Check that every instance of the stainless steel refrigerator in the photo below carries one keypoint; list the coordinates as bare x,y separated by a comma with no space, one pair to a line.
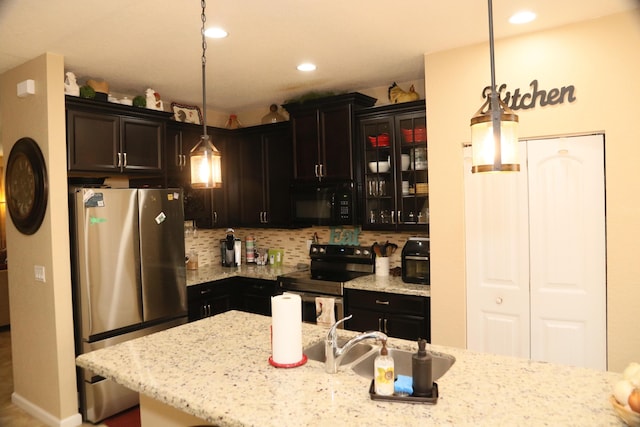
129,278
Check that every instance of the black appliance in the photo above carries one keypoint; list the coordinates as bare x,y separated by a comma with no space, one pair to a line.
415,261
323,204
331,266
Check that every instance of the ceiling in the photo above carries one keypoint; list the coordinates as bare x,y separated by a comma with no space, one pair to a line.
138,44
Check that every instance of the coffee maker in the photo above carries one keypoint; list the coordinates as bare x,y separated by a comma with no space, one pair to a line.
230,250
415,261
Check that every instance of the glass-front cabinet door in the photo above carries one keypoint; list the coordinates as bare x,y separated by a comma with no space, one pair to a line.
395,185
413,172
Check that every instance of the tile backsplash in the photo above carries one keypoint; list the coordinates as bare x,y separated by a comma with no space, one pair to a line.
294,242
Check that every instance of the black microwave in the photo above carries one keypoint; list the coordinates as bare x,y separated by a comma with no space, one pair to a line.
323,204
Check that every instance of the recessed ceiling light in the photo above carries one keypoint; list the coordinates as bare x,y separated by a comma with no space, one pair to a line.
522,17
216,33
307,66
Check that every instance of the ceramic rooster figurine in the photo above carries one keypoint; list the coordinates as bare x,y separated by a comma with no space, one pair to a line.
397,95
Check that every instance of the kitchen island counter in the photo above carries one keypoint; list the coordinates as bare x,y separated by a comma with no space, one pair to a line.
217,370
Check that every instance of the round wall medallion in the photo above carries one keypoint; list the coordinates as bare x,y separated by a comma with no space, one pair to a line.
26,186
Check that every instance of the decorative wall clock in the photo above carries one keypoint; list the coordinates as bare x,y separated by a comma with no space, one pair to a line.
26,186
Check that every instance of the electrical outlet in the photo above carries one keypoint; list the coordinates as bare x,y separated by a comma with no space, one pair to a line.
38,271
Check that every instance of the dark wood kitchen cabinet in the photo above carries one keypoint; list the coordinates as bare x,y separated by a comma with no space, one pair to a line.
399,316
393,177
204,206
113,138
323,133
265,175
233,293
211,298
256,295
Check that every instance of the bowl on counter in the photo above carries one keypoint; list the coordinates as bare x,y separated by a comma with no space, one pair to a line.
630,418
381,140
379,166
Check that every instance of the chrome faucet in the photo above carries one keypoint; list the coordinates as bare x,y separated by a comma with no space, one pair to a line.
334,354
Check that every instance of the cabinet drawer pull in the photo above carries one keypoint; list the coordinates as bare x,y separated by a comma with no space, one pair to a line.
382,302
385,327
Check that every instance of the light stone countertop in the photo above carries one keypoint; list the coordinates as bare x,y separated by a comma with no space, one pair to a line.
391,284
217,369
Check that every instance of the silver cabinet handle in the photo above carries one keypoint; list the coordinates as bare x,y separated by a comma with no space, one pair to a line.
119,160
393,218
380,324
215,217
315,172
385,327
176,142
321,170
382,302
125,160
399,217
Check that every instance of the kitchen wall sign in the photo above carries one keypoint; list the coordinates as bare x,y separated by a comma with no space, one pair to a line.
340,236
525,101
26,186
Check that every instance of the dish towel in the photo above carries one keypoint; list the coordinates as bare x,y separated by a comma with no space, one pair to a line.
325,314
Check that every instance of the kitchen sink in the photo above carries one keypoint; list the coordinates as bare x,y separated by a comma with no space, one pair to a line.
316,351
402,363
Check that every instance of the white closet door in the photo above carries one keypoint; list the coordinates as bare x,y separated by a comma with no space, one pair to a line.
497,256
567,246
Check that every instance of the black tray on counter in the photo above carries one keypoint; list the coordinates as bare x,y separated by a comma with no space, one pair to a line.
432,400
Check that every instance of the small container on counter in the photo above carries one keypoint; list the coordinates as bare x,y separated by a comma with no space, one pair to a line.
250,249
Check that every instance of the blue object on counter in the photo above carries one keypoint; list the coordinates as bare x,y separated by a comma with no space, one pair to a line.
403,385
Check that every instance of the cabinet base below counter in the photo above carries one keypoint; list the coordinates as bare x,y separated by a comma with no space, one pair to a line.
154,413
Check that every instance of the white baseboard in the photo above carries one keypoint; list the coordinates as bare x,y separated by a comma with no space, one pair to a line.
42,415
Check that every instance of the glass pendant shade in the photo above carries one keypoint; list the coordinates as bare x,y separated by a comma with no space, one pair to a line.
489,154
206,165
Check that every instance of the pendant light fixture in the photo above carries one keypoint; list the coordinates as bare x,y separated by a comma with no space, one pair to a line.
494,127
206,161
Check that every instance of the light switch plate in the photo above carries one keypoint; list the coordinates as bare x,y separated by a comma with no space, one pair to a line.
38,271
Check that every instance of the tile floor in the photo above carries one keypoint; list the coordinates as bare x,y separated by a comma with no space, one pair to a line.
10,414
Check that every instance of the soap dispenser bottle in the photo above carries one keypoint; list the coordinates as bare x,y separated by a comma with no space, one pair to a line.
421,364
384,375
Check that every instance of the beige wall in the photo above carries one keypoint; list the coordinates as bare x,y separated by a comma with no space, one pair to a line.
41,315
601,58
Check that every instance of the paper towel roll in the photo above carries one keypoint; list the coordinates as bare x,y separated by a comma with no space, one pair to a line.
286,328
